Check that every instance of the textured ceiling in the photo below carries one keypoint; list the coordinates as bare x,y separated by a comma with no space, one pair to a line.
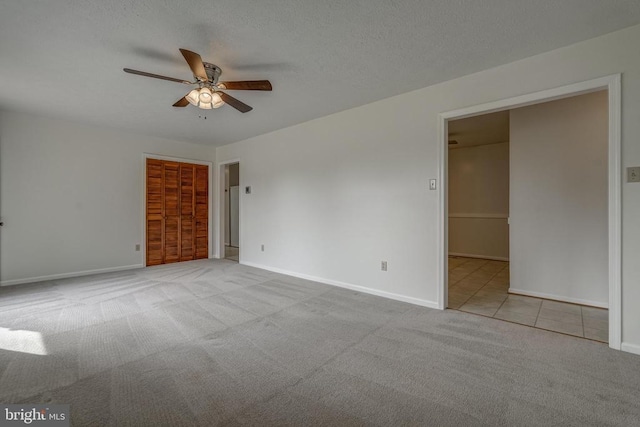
480,130
321,56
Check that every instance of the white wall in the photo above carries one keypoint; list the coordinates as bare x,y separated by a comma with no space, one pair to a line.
479,201
559,182
72,195
334,196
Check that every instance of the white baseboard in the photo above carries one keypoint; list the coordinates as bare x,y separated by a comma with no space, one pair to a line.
67,275
363,289
630,348
494,258
559,298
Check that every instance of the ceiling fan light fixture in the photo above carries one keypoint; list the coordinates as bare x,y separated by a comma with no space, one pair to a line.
193,97
205,95
204,98
216,100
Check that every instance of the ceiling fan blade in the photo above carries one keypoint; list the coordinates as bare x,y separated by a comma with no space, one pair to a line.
247,85
155,76
238,105
182,102
195,63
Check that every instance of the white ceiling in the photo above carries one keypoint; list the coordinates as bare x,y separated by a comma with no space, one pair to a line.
64,58
480,130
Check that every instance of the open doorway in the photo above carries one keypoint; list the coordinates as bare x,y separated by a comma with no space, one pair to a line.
528,202
232,211
478,197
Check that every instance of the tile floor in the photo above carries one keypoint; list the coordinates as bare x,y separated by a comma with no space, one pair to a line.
232,253
481,286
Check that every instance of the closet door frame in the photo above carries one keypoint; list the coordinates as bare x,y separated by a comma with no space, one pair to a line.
143,180
220,206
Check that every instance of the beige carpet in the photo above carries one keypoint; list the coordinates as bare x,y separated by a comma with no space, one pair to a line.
217,343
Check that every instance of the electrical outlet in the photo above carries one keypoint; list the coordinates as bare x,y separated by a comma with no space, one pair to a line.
137,247
262,248
383,265
247,189
633,174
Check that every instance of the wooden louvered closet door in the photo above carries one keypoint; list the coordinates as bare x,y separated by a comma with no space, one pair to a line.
201,192
187,209
171,212
177,211
155,212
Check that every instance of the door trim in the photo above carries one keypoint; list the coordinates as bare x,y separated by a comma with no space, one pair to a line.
145,156
612,84
219,232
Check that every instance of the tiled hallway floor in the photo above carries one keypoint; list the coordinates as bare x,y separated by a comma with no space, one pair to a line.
232,253
481,286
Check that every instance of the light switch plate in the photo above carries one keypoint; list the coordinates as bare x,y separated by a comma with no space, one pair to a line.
433,184
247,189
633,174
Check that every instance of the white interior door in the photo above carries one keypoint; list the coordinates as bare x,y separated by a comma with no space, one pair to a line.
234,215
227,226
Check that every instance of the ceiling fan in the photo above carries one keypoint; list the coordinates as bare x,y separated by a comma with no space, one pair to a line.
209,93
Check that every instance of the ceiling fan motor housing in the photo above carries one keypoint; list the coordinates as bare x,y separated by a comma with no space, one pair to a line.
213,72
